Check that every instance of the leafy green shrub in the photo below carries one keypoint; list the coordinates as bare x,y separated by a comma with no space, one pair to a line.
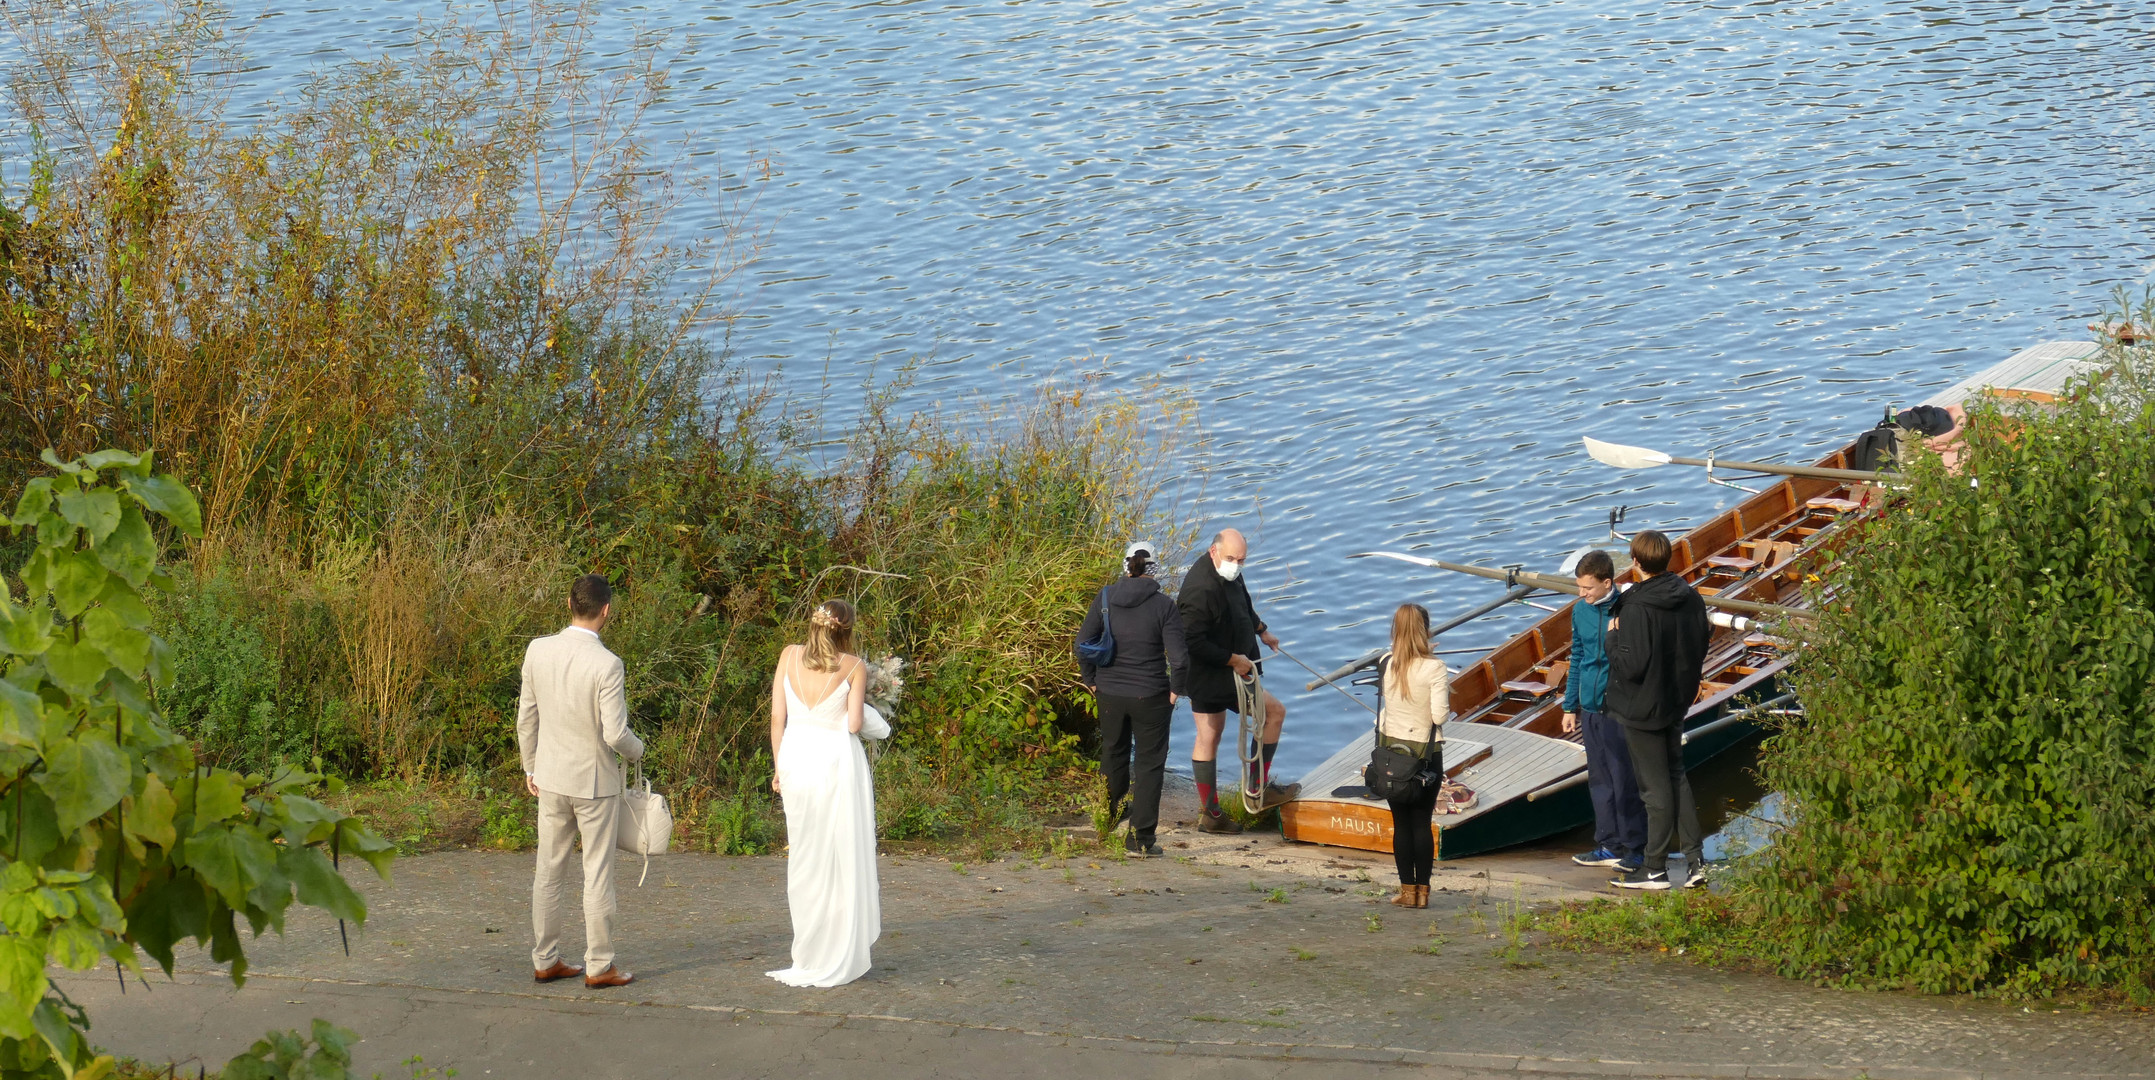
740,824
324,1054
511,821
116,838
1972,794
231,693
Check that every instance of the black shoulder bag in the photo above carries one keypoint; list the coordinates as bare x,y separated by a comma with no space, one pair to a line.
1099,650
1394,774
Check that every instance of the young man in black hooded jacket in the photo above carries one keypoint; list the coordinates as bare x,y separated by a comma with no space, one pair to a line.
1137,691
1657,644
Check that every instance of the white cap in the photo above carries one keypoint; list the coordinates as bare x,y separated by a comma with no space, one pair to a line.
1139,548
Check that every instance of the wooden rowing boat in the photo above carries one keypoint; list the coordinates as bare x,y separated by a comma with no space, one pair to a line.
1505,739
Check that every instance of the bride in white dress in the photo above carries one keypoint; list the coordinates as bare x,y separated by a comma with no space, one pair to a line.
817,698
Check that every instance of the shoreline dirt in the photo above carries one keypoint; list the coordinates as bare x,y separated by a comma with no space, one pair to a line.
1239,950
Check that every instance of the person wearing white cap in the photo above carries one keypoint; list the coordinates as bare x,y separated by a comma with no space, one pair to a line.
1136,679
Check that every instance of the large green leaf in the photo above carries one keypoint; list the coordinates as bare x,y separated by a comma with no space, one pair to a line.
85,776
168,497
320,885
305,821
105,459
75,579
36,499
151,812
354,838
122,599
94,510
129,550
76,668
25,629
218,795
230,860
127,647
20,715
22,984
169,908
68,1048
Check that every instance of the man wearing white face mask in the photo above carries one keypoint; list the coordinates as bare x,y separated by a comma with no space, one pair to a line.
1222,630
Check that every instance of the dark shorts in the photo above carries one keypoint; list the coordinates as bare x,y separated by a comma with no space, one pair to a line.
1203,705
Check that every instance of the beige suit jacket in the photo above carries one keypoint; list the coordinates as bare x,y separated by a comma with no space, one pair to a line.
572,716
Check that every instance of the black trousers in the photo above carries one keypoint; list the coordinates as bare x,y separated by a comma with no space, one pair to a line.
1414,846
1657,759
1135,727
1619,816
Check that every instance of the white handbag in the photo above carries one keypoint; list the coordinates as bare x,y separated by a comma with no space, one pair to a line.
646,822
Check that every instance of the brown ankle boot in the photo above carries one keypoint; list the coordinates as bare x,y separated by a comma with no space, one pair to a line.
1405,897
1421,896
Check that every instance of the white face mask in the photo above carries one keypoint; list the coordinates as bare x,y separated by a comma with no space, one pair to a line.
1230,569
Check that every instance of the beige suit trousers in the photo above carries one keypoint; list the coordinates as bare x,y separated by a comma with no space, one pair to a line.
561,819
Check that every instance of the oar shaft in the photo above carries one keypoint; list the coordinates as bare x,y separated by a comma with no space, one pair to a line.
1857,476
1557,584
1370,658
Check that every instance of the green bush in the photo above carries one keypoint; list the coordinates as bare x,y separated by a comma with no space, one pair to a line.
1970,790
739,824
510,822
117,840
233,692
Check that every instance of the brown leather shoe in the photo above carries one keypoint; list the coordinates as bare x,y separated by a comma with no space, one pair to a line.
1217,821
612,976
558,970
1405,897
1421,896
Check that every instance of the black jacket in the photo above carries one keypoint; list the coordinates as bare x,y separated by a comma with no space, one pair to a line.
1150,658
1655,652
1220,622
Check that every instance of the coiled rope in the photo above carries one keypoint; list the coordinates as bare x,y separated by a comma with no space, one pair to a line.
1250,706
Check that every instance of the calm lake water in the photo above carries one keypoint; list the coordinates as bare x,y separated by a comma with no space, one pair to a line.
1405,257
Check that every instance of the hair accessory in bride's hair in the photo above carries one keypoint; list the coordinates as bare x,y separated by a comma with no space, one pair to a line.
822,617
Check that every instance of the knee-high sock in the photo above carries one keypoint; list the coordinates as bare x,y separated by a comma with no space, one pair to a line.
1208,782
1270,749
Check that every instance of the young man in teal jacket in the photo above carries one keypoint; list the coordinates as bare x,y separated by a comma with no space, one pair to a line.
1619,815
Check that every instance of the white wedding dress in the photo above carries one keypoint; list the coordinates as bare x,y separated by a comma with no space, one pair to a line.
829,795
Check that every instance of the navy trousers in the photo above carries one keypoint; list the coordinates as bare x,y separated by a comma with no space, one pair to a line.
1619,815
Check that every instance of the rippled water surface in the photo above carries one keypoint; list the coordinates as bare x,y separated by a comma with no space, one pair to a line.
1405,257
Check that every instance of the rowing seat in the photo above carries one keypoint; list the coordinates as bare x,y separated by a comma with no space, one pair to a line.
1709,689
1771,552
1551,678
1731,562
1827,502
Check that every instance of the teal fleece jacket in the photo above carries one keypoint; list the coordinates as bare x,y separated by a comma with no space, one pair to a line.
1587,683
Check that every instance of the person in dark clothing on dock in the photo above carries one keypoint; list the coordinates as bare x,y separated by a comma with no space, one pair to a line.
1657,644
1137,691
1619,816
1224,631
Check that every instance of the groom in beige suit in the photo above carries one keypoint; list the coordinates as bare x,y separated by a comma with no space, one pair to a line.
571,719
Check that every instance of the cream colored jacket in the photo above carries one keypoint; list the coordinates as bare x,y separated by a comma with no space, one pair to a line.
572,716
1417,715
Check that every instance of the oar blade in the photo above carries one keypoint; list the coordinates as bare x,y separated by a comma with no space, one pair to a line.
1623,457
1415,559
